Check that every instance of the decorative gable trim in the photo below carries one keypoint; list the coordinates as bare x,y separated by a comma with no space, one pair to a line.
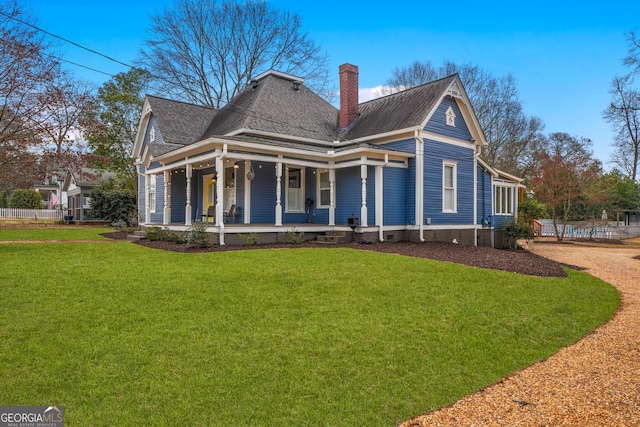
450,116
455,91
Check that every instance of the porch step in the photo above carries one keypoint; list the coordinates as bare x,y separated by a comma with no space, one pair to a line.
137,235
331,237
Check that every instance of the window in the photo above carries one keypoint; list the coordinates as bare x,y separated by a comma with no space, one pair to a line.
151,197
86,201
449,187
229,191
324,190
295,189
504,200
152,134
451,117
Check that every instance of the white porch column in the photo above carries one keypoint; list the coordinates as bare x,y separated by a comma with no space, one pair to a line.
363,209
187,209
147,208
279,192
220,197
247,192
166,213
380,201
332,195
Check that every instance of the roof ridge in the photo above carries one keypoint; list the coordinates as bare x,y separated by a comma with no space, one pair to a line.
410,88
209,107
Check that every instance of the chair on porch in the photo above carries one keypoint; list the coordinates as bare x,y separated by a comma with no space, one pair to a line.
234,211
211,213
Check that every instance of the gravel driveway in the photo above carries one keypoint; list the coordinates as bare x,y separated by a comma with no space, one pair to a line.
595,382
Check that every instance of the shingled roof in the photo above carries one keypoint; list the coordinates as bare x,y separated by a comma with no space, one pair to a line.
278,106
275,106
401,110
180,123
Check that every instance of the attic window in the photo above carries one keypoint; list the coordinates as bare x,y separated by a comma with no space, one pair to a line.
152,135
451,117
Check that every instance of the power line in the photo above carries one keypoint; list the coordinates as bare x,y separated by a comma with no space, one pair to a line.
65,40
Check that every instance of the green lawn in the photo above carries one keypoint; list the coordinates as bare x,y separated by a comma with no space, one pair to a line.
53,233
124,335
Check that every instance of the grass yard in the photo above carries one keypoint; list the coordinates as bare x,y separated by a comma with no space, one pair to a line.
54,233
124,335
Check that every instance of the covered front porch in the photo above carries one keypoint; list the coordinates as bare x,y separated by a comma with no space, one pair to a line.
266,192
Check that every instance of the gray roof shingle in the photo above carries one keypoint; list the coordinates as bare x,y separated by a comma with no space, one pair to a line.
400,110
179,122
274,106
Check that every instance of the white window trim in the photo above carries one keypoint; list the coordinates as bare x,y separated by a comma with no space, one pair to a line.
152,134
319,190
498,206
453,165
301,189
151,194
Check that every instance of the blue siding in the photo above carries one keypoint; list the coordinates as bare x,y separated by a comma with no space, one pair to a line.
142,195
157,216
178,196
348,194
438,123
153,123
371,195
395,196
435,153
319,215
407,145
263,194
484,195
411,192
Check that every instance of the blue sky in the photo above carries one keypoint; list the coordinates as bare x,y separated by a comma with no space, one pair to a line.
563,54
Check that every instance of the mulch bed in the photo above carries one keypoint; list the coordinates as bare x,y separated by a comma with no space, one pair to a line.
517,261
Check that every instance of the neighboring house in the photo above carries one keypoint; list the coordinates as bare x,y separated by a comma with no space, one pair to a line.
78,186
52,193
278,157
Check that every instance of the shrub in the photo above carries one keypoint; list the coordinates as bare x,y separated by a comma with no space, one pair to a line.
120,225
197,235
162,234
25,199
250,239
516,230
294,237
113,204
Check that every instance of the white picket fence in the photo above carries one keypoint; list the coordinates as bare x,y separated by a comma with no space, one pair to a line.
31,213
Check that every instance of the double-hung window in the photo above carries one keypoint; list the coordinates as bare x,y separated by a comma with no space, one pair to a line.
504,200
324,190
449,187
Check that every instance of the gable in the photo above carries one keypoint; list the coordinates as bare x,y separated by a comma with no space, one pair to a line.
438,123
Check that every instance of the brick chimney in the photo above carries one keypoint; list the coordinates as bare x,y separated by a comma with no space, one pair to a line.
348,94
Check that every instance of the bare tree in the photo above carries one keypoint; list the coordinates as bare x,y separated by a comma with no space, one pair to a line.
512,136
624,115
25,69
633,54
205,51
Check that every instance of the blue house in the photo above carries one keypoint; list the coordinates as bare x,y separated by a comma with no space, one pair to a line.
278,157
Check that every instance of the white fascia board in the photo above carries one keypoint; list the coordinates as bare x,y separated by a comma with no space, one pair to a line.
278,74
245,131
387,135
142,126
509,176
492,171
446,139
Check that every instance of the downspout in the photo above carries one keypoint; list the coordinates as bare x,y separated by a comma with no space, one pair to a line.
381,198
420,184
475,196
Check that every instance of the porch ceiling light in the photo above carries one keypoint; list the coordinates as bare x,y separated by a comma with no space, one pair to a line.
236,165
